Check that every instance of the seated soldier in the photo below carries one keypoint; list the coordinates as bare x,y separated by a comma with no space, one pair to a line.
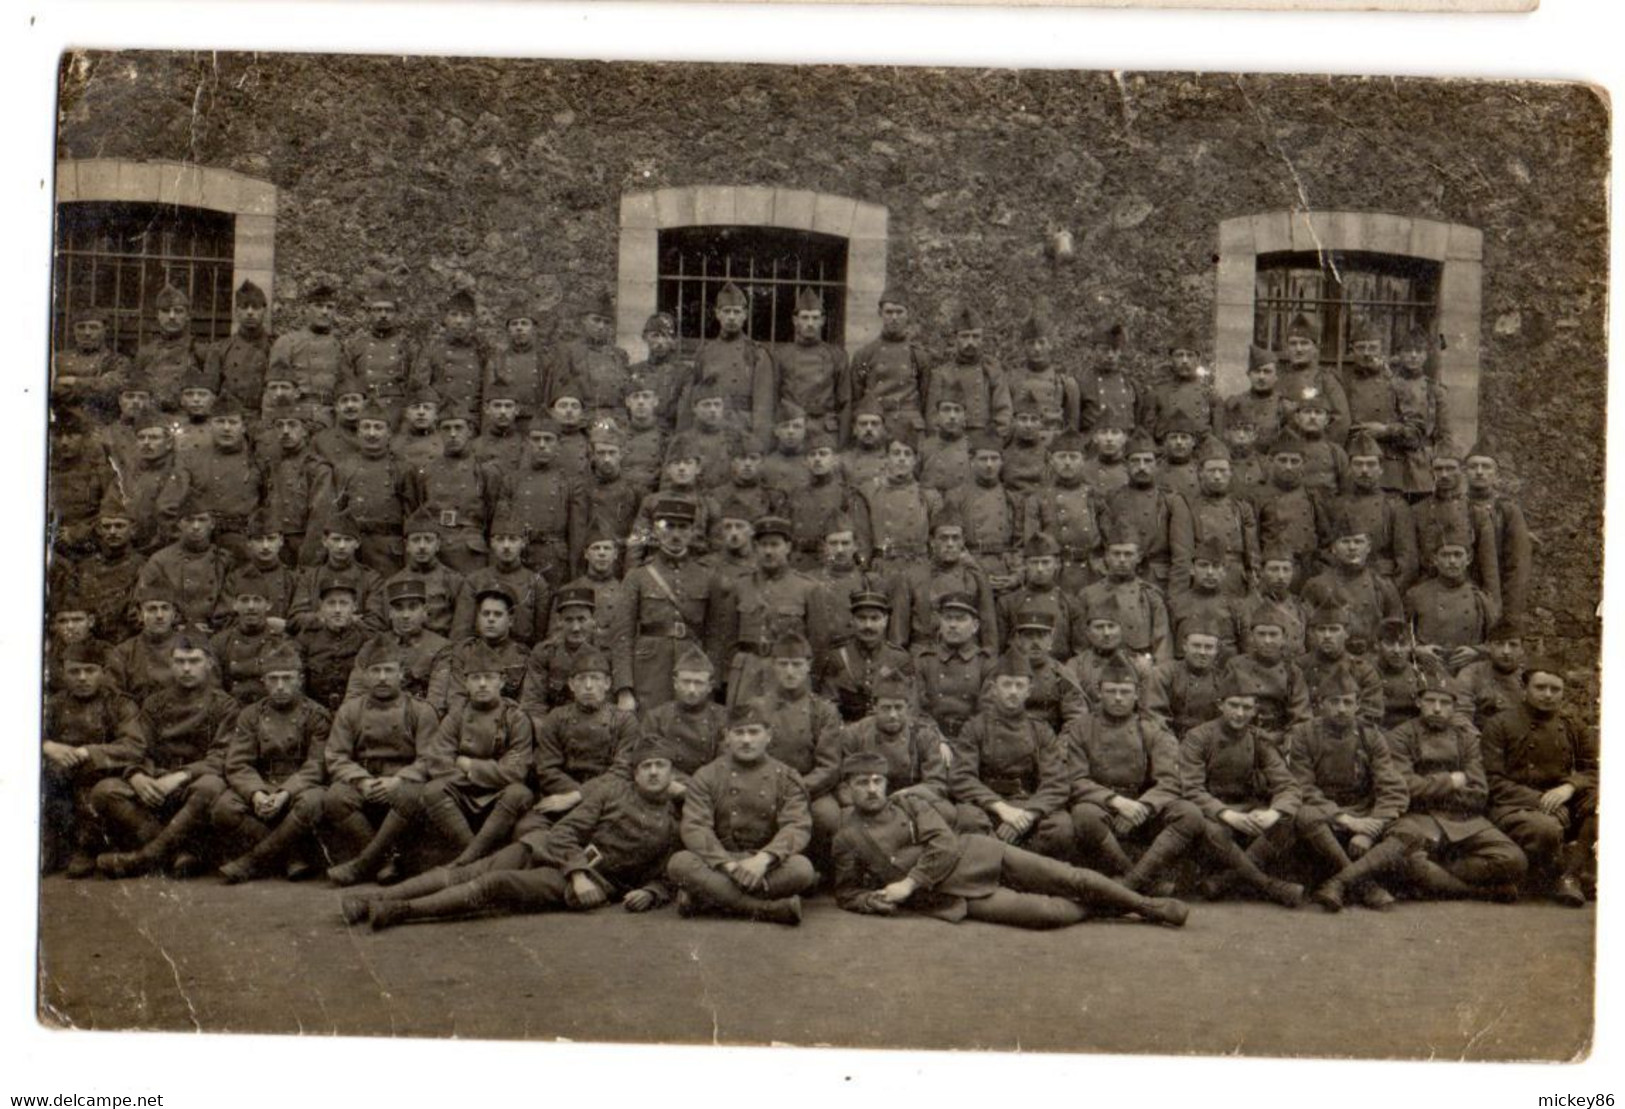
1454,851
575,631
330,648
241,648
1125,786
896,852
1056,696
1204,599
909,742
745,823
1329,650
275,770
493,635
1184,692
161,803
140,664
849,672
507,569
92,731
690,724
1542,770
1351,793
1139,608
1231,770
614,846
806,736
1039,588
1275,683
576,742
951,670
1008,774
375,763
422,652
1102,647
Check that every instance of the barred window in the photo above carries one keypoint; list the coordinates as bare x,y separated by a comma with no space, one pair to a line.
768,263
1339,289
117,255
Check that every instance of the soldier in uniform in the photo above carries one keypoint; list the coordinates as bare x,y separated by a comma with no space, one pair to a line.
1275,587
1106,391
239,362
864,460
736,368
1500,520
850,671
744,485
575,630
376,765
154,487
1376,407
806,731
118,439
1216,512
1140,605
160,802
1542,770
973,379
945,453
1290,516
811,373
1103,648
312,357
840,572
680,483
643,444
1454,851
92,732
89,375
140,665
1039,589
462,493
453,363
274,768
225,477
669,599
1383,515
1352,582
893,517
340,439
892,371
1009,775
1328,640
298,483
1184,692
1235,774
191,570
784,469
1026,456
1421,404
1125,787
380,359
442,585
773,601
1183,399
341,538
1450,617
952,667
1038,382
424,671
500,442
593,363
1352,794
1447,511
1273,682
991,515
173,353
1400,667
1260,407
331,645
104,581
242,648
1325,462
378,492
521,367
493,634
665,370
896,852
918,595
1147,509
614,846
909,742
1205,601
1055,696
1070,511
552,509
690,725
746,822
1303,378
1494,683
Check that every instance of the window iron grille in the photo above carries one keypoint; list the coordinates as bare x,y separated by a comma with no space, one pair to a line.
1339,290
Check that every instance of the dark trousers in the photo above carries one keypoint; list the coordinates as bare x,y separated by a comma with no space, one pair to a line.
1484,858
1543,837
1105,849
176,825
713,888
1053,835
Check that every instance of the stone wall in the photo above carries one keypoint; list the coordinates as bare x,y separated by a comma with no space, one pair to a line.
506,175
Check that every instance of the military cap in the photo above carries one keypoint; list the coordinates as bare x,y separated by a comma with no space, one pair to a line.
575,596
1182,421
1211,449
194,377
837,522
519,308
91,314
461,301
1504,629
1393,630
1034,618
153,417
693,660
661,323
153,591
372,410
1120,533
483,660
1034,328
1314,399
1040,544
1114,336
1436,680
1210,548
1139,442
1068,442
500,389
1338,681
589,661
1365,331
792,646
606,432
707,390
1302,327
342,523
191,504
115,506
600,302
1117,671
986,441
496,591
774,525
171,297
1012,664
904,437
682,446
189,641
250,295
86,652
1362,445
1109,421
598,533
946,517
1341,524
1544,664
648,746
1484,448
890,686
964,602
731,296
745,714
867,405
380,290
1287,443
867,599
260,522
385,652
283,657
1186,339
819,439
506,523
402,590
808,300
349,386
790,410
321,293
1265,614
744,448
567,386
1233,684
249,585
967,319
862,763
1201,625
338,585
421,522
1107,611
1330,613
1258,357
226,407
1455,533
893,294
674,508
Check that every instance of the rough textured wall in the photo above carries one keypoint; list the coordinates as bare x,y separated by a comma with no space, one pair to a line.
502,175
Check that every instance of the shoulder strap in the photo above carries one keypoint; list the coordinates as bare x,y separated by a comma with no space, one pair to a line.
661,584
878,860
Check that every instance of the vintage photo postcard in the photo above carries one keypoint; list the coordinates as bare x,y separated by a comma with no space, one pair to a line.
1055,561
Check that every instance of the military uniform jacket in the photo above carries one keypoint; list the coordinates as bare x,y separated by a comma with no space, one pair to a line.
896,374
105,586
1000,758
520,373
815,505
1345,770
1143,614
271,750
574,745
505,449
239,364
193,578
454,368
1263,410
498,740
984,388
1452,514
1175,396
108,725
463,494
547,672
530,615
950,681
307,594
375,739
154,490
1507,582
663,597
1106,392
1088,665
1180,698
293,483
554,509
1425,758
1048,390
610,505
78,379
786,473
1135,757
1071,515
909,839
381,363
1061,606
1370,599
815,376
1294,613
1421,406
806,737
1403,683
742,369
1221,770
600,371
161,365
1488,691
916,602
238,656
1149,512
944,462
643,453
1374,399
994,517
893,519
512,656
1294,520
695,731
140,665
1283,695
312,360
731,811
1315,665
426,670
185,729
1229,519
378,491
847,675
1450,616
667,377
913,756
1056,695
417,449
1223,611
1526,754
329,659
784,603
618,837
1386,519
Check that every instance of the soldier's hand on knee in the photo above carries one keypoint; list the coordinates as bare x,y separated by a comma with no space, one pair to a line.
751,874
390,786
147,790
1007,832
1241,822
1553,800
639,901
275,803
371,789
1134,812
1266,819
60,754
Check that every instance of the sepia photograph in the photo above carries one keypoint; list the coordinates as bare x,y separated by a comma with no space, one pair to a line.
927,558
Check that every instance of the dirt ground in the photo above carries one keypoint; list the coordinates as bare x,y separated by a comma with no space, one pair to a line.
1449,981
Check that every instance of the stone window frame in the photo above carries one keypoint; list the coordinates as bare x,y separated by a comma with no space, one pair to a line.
251,202
1458,248
645,214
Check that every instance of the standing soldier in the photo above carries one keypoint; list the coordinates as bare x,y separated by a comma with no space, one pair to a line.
274,769
298,482
1273,682
1383,515
952,667
453,363
1261,406
140,665
806,731
1499,518
784,469
592,363
774,601
811,373
89,375
1542,771
893,517
1039,590
850,673
945,452
892,371
1375,405
669,599
1328,643
532,595
918,595
1140,605
1070,511
239,361
381,357
1421,402
191,570
575,630
1216,513
442,585
462,494
226,478
341,437
1303,378
1350,581
1184,692
1290,516
864,460
991,515
376,491
1184,398
104,581
643,443
1038,383
973,379
1145,509
174,354
551,508
1105,391
520,368
665,370
312,357
738,369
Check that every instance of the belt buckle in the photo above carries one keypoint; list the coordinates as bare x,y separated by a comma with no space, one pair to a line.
448,517
679,630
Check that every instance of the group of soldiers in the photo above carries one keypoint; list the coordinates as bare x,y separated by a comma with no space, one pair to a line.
506,627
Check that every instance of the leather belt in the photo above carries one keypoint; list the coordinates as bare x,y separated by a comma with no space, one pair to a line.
675,629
